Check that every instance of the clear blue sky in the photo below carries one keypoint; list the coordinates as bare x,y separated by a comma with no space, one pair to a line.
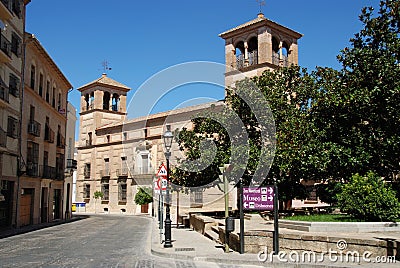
141,38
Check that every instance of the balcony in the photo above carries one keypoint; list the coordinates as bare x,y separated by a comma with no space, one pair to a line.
104,173
5,10
143,171
34,128
48,134
5,47
48,172
3,138
32,169
71,163
123,172
60,141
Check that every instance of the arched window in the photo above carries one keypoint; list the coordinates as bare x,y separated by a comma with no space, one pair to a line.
106,101
275,51
115,102
275,45
91,101
285,49
285,54
253,50
239,51
87,101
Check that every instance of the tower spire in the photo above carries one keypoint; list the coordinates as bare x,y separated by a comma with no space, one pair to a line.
261,3
105,65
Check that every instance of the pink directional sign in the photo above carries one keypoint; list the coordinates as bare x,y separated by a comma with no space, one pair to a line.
258,198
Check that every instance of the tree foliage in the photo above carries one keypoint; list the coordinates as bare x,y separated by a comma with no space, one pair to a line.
330,124
358,110
143,196
369,198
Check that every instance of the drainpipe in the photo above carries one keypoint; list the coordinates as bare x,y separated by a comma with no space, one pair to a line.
21,102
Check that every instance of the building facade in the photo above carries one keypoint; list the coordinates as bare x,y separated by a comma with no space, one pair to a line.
12,27
70,161
43,132
117,156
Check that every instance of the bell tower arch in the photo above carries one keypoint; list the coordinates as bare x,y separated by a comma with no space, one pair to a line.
258,45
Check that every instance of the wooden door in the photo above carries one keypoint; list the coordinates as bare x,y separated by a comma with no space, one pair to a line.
25,209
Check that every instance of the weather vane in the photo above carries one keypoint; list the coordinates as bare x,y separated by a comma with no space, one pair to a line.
261,3
105,65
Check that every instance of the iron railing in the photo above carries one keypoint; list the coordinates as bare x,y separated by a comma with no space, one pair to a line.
48,172
32,169
72,163
143,171
277,60
253,57
34,128
240,62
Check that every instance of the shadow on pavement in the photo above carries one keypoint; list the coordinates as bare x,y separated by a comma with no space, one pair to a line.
7,232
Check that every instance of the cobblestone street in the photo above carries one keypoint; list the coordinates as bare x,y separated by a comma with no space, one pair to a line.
98,241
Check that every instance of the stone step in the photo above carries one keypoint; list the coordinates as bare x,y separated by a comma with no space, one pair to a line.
215,229
211,234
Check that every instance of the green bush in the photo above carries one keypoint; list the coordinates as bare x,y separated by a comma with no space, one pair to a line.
369,198
98,195
143,196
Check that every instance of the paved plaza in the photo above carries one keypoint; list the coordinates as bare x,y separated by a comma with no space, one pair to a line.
100,240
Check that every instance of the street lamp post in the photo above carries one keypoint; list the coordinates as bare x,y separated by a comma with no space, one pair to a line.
224,169
168,137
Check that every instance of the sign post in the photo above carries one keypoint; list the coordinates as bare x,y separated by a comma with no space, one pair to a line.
262,199
276,215
160,187
241,216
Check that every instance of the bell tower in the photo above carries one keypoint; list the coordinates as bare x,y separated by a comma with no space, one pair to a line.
258,45
103,102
